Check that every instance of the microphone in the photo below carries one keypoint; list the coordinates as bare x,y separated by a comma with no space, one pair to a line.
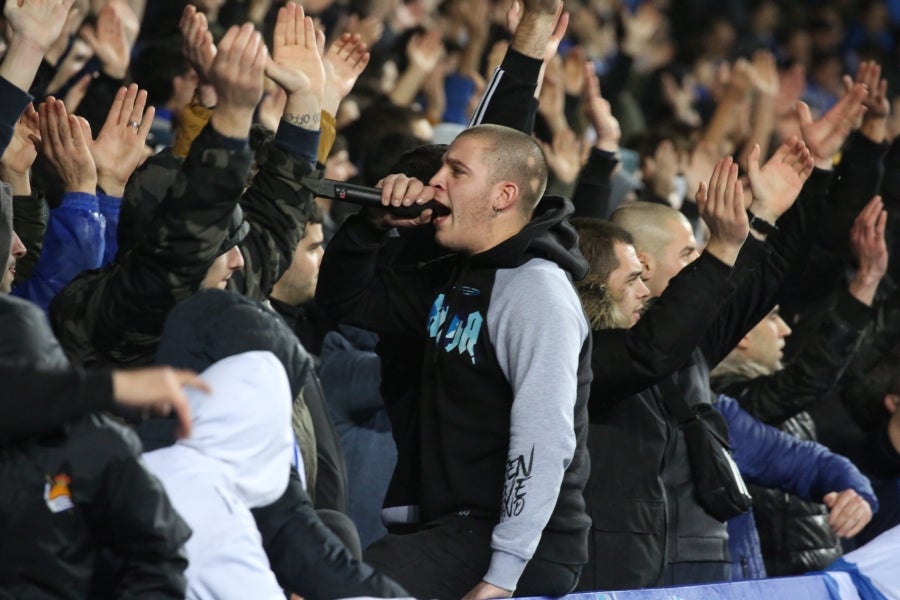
364,196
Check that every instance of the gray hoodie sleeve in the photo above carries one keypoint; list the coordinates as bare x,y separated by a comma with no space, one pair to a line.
537,327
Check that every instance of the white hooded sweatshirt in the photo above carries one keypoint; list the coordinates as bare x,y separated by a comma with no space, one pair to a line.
237,458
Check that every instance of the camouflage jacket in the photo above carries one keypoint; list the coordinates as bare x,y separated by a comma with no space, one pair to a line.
114,315
277,208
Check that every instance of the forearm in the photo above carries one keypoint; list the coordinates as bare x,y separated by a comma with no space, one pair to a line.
277,207
540,359
37,402
627,361
13,100
30,218
110,208
509,96
409,84
73,243
594,188
21,62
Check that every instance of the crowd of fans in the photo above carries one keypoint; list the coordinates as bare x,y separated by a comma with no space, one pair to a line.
604,225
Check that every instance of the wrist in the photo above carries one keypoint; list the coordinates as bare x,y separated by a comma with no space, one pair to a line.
863,289
763,224
762,213
115,71
21,62
304,114
607,145
232,123
20,181
874,128
111,185
726,252
84,186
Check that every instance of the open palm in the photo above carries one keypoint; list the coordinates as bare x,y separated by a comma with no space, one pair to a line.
778,183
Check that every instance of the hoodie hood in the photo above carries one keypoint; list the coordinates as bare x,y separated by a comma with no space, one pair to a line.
244,425
26,340
548,235
6,222
214,324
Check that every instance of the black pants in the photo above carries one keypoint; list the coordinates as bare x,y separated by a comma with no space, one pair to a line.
452,555
308,558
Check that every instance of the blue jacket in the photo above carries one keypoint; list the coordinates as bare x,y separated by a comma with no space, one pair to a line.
769,457
81,235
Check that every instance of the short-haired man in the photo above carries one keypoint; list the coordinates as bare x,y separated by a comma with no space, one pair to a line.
648,527
502,411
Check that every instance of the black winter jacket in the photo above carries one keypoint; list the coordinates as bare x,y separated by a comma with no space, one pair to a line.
640,494
795,534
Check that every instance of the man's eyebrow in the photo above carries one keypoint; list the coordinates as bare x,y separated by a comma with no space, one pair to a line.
455,163
634,275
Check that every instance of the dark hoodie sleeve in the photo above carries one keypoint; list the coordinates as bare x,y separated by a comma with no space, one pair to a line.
356,288
509,96
36,402
12,104
761,282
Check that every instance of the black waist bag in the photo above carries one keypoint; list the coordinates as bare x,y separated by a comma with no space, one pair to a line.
718,483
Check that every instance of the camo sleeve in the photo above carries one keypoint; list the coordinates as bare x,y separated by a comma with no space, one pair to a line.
277,208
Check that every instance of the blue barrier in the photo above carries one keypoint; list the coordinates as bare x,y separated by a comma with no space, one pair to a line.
806,587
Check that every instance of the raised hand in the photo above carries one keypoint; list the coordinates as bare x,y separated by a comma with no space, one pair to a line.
197,42
36,25
640,27
425,50
237,73
874,123
296,65
764,73
721,205
59,47
369,29
868,246
537,30
564,155
37,21
119,146
344,62
826,136
778,183
599,113
22,150
110,42
65,145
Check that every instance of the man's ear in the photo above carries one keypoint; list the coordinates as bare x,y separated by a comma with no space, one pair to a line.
648,265
506,195
891,402
743,344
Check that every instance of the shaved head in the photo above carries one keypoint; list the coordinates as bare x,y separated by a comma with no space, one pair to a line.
513,156
663,238
651,225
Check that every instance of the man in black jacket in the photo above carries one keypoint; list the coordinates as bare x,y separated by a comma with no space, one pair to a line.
76,489
648,527
798,536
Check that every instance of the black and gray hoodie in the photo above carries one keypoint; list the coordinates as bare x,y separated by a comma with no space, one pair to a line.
503,415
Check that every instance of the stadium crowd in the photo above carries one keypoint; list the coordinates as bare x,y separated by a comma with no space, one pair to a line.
626,268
